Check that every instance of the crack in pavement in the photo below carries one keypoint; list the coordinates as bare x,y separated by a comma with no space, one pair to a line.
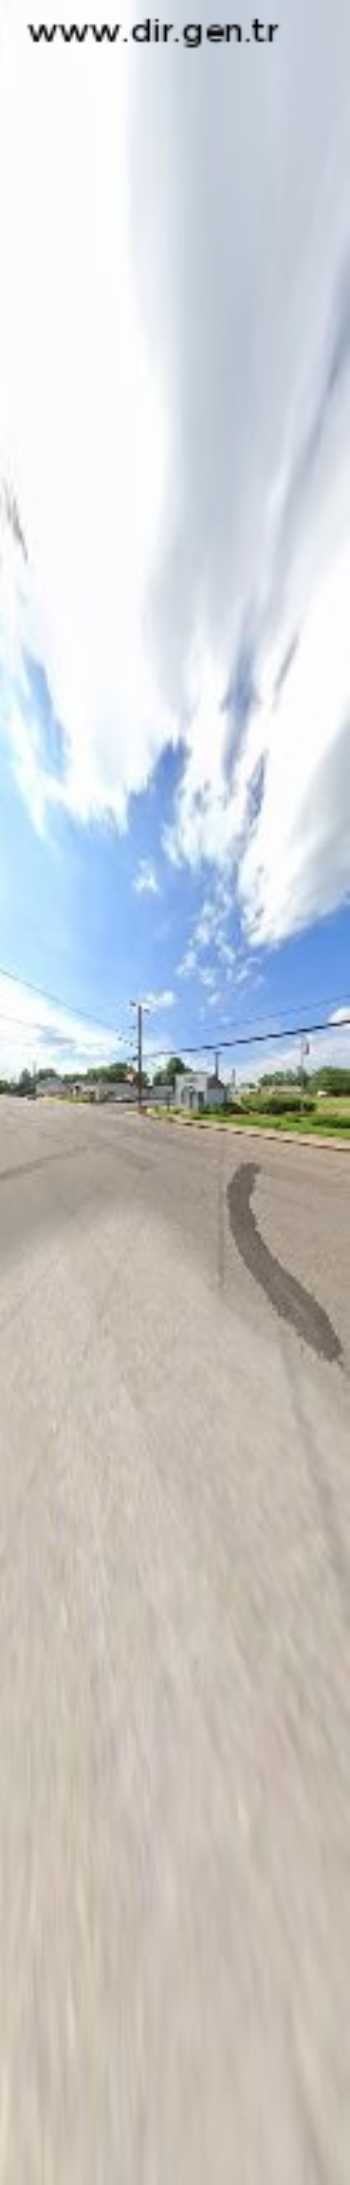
65,1153
288,1296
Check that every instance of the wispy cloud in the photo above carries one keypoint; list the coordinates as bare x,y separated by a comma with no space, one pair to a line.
180,473
146,882
226,952
207,977
188,962
209,933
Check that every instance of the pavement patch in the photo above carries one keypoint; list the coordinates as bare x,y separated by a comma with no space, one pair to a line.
288,1297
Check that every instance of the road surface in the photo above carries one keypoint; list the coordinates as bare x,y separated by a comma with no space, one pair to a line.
175,1656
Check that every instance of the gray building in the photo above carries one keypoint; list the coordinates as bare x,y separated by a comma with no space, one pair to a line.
49,1087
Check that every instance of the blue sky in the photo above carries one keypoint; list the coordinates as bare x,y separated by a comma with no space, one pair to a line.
174,539
95,917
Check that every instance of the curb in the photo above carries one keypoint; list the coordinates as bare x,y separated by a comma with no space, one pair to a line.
237,1130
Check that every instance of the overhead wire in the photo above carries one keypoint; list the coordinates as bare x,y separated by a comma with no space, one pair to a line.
237,1038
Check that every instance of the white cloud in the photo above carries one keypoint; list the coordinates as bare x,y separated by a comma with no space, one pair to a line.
207,978
154,1002
36,1032
208,924
296,857
325,1049
146,882
242,974
189,962
182,466
209,932
226,952
82,425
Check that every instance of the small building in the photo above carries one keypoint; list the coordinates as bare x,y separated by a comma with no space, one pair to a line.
198,1090
121,1092
49,1088
160,1096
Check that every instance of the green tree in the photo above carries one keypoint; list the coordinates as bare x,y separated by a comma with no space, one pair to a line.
173,1068
332,1079
25,1082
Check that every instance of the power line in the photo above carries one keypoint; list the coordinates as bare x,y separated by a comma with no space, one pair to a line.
324,1001
238,1039
33,1025
70,1008
254,1039
16,978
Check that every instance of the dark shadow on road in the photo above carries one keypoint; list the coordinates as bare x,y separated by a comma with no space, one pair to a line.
288,1297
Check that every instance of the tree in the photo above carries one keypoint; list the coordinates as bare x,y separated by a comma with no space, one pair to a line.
332,1079
280,1077
109,1072
25,1083
174,1068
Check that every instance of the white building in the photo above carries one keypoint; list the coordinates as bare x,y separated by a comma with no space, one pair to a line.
198,1090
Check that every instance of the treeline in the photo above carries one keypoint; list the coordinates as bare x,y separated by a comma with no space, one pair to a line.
330,1079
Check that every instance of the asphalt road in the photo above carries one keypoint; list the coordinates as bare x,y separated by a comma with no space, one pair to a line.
174,1655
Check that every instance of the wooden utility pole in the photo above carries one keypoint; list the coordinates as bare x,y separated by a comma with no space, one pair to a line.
304,1050
140,1006
139,1052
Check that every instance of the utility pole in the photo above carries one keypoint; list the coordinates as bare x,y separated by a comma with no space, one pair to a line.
140,1006
139,1052
304,1050
217,1061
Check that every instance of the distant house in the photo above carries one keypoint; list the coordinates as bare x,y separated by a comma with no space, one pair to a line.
46,1087
119,1091
197,1091
160,1096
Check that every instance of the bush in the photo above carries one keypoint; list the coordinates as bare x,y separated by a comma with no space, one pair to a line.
292,1105
232,1107
280,1103
332,1121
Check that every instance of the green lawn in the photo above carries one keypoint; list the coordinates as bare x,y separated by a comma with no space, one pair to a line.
329,1119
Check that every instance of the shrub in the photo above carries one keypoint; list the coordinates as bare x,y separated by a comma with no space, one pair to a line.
280,1103
292,1104
332,1121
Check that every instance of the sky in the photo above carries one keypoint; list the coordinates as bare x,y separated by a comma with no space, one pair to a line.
174,538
